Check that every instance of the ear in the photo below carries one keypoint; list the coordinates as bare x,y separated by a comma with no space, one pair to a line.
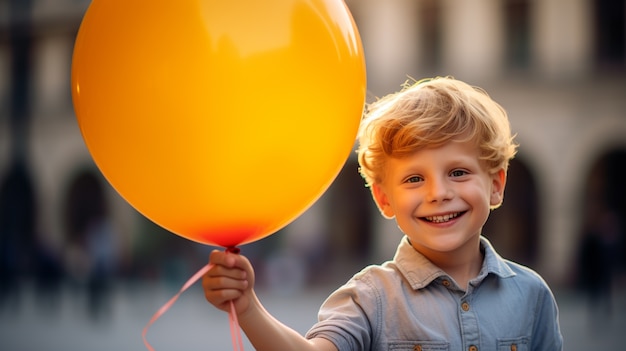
498,182
382,201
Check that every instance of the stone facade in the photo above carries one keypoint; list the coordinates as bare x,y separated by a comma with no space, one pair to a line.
566,102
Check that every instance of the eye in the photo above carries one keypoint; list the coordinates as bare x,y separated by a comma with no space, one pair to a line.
458,173
414,179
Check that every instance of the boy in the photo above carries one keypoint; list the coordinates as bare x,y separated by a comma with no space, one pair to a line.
435,157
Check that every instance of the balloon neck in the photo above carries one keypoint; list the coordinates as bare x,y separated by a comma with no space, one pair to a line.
233,249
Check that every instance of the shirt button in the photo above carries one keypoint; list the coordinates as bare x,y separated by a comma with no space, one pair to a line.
417,348
446,283
465,306
513,347
473,348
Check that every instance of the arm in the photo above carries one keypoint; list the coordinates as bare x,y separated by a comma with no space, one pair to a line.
547,332
232,279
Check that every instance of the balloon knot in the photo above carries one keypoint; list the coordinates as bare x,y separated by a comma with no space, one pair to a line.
233,249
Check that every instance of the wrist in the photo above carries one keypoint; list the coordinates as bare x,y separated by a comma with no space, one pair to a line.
251,314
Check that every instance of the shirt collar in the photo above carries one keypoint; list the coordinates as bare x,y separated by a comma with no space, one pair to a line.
420,272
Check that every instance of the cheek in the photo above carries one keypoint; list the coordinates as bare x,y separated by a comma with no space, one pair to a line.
480,196
407,203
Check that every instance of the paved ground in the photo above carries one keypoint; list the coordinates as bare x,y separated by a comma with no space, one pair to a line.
30,324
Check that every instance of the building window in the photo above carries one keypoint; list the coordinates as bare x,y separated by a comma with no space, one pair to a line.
431,32
610,33
517,25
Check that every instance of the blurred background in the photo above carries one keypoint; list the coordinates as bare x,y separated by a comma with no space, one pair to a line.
81,270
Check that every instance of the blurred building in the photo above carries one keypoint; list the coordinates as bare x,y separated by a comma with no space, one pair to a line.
557,66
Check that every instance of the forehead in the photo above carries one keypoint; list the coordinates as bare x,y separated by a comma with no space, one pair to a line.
451,154
449,151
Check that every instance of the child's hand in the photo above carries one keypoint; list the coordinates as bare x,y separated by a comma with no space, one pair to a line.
230,279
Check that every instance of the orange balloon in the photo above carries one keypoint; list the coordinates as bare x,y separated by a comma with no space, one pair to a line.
221,121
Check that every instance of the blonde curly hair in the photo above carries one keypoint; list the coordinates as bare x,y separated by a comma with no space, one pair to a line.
428,114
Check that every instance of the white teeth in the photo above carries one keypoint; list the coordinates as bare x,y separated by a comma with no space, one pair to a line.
442,219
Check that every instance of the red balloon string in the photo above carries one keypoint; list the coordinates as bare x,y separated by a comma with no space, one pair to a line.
235,331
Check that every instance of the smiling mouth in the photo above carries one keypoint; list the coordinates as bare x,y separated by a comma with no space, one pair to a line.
443,218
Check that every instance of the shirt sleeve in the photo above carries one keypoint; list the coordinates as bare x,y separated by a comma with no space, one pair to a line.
348,317
547,332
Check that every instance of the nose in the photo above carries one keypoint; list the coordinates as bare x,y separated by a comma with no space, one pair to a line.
438,190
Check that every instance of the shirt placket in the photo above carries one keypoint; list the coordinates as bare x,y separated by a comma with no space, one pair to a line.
470,332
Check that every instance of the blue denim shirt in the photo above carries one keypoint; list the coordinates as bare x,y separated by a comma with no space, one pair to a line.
411,304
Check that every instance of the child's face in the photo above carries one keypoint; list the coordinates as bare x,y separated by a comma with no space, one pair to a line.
440,197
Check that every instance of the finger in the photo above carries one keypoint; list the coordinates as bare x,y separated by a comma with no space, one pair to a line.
222,282
222,271
229,260
219,290
222,298
222,258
